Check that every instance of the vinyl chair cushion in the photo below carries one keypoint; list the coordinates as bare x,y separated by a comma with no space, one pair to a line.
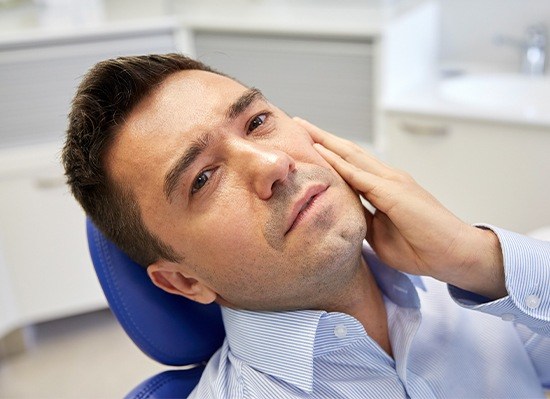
170,329
167,385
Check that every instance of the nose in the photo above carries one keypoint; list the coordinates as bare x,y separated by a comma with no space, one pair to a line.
262,166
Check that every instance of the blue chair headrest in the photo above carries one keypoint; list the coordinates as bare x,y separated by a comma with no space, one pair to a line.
170,329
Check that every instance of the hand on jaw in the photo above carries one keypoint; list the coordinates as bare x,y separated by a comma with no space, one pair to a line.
410,230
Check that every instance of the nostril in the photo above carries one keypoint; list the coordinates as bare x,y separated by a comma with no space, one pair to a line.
292,165
273,175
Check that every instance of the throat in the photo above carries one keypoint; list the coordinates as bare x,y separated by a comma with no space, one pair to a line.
378,330
366,304
375,322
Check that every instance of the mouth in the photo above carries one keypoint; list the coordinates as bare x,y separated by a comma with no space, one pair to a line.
304,206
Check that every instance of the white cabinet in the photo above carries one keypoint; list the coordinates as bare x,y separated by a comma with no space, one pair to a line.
45,267
484,172
43,241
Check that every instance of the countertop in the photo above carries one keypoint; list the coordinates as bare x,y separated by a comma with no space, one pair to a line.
344,20
35,35
429,101
349,18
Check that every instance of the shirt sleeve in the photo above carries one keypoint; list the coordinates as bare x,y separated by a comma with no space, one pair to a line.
527,277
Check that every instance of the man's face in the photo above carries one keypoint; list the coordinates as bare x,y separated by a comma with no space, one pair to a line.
235,187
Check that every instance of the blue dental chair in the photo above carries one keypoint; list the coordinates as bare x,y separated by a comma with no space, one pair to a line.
168,328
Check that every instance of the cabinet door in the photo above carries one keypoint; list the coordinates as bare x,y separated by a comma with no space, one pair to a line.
8,310
483,172
43,245
328,81
38,81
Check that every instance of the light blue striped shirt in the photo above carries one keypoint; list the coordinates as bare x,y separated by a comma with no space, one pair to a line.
444,346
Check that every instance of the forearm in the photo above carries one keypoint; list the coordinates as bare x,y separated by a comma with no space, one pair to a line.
482,270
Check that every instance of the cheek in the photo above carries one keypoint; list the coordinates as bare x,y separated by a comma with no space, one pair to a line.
299,144
305,152
228,231
319,160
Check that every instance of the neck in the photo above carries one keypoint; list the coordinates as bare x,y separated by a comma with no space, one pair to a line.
364,301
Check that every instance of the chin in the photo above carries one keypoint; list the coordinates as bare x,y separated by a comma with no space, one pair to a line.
343,246
354,214
354,226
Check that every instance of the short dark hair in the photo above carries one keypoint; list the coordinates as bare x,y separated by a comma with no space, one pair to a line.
106,96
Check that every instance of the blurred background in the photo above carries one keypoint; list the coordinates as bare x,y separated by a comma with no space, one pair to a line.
456,92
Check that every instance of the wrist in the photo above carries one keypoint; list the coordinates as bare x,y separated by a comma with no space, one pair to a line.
483,268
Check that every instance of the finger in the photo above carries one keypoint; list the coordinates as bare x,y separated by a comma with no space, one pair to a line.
323,137
378,191
346,149
368,218
386,240
356,177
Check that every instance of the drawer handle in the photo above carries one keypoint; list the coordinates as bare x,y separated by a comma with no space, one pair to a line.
48,183
424,130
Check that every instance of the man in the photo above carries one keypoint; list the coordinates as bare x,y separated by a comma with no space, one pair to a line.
223,197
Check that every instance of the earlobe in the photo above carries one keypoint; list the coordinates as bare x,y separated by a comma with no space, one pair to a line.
168,277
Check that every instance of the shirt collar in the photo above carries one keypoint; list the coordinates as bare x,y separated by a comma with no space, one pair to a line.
279,344
282,344
398,287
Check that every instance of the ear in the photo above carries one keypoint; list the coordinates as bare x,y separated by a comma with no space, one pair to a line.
169,277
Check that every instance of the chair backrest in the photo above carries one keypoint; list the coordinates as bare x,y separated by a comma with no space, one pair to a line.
167,385
170,329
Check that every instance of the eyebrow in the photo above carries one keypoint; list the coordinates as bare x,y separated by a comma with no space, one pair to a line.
199,145
243,102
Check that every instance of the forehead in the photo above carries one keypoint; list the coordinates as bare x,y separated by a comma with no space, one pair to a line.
184,100
184,105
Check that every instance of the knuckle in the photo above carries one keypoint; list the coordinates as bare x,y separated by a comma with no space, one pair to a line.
353,175
401,176
354,152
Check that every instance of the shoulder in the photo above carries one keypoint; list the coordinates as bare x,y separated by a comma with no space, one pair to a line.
221,377
228,377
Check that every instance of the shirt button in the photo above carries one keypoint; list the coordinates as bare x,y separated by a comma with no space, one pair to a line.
532,301
508,317
340,331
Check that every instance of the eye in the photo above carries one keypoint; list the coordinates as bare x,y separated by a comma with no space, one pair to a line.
256,122
201,180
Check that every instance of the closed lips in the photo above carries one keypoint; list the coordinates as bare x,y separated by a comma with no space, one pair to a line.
304,204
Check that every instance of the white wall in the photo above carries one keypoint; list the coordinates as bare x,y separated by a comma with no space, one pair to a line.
469,26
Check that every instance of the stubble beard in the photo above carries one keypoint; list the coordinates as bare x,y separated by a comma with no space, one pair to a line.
326,273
